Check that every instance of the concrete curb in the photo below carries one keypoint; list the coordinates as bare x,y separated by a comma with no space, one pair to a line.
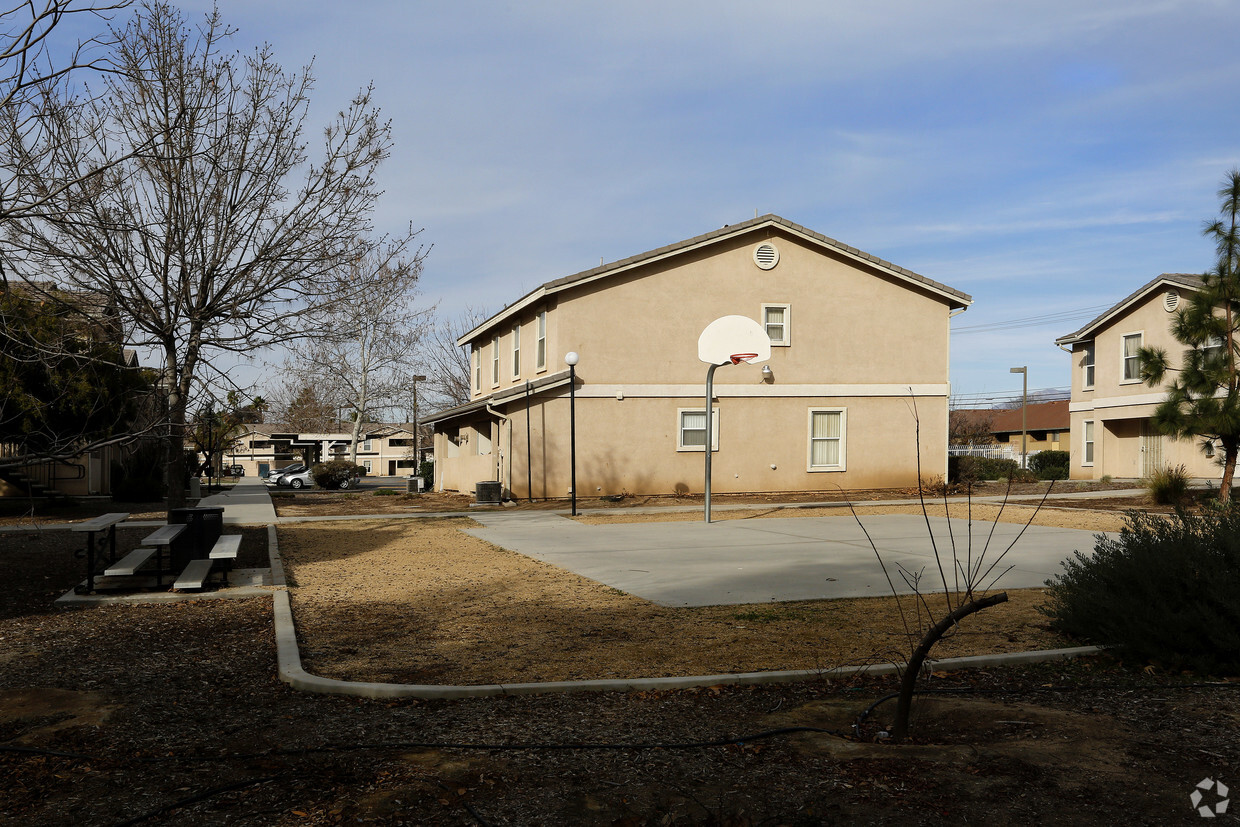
288,657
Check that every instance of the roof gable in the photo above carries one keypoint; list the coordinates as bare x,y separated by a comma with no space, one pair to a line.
1177,280
954,298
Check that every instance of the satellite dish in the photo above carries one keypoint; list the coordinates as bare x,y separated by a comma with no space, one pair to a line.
732,340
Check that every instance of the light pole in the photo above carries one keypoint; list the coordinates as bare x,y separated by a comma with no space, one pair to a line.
1024,410
570,359
417,457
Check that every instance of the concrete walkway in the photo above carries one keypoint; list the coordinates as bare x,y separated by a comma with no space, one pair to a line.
246,503
780,559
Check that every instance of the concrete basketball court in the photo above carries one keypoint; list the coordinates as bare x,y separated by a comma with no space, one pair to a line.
776,559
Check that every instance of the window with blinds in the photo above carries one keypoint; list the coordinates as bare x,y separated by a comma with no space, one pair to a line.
826,439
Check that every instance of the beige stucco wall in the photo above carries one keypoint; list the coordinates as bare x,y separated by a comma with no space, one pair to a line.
861,340
630,445
1119,408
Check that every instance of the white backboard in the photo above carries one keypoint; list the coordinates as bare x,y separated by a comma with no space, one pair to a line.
730,336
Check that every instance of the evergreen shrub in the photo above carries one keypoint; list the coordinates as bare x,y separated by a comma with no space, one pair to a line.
1163,591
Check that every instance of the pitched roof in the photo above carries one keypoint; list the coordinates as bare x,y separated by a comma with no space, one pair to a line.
1039,416
954,297
1185,280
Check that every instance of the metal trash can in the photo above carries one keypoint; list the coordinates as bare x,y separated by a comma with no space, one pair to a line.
204,525
490,492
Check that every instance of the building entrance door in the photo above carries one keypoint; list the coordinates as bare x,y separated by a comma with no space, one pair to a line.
1151,450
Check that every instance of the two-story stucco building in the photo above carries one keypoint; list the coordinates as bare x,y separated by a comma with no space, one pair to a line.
383,449
1111,407
858,346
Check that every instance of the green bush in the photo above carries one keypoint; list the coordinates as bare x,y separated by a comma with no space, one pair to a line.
968,469
1168,486
427,471
1164,591
335,473
1050,465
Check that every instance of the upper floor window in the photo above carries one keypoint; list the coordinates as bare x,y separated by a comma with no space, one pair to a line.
477,370
1132,357
366,445
516,351
1087,367
1212,347
540,349
494,360
776,318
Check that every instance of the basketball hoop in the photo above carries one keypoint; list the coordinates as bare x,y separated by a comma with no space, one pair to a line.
737,358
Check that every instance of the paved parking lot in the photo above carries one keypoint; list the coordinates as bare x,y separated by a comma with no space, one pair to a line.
778,559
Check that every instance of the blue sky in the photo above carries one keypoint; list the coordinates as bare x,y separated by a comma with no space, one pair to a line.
1045,157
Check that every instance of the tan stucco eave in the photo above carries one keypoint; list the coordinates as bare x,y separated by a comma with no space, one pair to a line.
1185,280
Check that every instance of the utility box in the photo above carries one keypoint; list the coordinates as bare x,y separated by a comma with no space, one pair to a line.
414,485
488,492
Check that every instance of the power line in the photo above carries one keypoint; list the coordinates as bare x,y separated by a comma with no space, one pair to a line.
1033,321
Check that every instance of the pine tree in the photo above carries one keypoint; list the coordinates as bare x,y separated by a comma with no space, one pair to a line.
1203,397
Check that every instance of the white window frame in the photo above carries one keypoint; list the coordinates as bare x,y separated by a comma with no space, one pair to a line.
1089,443
366,465
809,441
1218,343
680,429
516,351
540,348
1090,366
495,361
1123,358
786,339
477,370
366,445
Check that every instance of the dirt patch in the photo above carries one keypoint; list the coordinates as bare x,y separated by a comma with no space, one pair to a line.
202,732
395,501
469,612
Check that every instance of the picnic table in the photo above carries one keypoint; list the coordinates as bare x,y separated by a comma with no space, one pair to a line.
100,537
191,543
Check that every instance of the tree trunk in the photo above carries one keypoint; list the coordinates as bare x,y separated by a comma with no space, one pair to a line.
909,680
1230,450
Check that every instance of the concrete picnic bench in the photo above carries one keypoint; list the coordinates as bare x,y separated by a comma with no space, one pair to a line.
105,526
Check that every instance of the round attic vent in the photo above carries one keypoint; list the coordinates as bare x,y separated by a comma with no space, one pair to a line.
765,255
1171,301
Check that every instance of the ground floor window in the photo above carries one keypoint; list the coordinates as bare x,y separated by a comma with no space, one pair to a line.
691,429
827,439
1088,452
366,465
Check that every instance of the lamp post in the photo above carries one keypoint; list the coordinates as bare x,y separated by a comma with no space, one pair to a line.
1024,410
570,359
417,457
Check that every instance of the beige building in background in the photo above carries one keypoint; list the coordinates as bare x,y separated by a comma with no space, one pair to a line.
1110,406
858,345
384,450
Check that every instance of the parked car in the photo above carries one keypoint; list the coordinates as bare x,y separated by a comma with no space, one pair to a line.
305,479
237,470
275,473
296,479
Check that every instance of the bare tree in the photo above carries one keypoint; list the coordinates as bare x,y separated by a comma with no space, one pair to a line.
970,427
300,406
361,353
214,230
447,364
29,73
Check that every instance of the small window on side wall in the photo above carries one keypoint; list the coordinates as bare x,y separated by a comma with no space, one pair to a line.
1087,367
691,429
777,320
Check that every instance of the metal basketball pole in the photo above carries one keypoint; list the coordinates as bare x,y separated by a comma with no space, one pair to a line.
710,395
